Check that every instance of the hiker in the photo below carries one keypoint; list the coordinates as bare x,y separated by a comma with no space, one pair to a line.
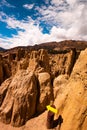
50,117
51,123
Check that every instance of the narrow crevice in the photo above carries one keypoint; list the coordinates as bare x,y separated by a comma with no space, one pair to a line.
3,96
38,96
74,58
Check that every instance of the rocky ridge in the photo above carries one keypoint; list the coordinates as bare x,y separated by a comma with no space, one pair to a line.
29,90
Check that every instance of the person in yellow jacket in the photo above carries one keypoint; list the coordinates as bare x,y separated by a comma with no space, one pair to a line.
51,123
50,116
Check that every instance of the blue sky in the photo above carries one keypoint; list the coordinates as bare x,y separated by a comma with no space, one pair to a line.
29,22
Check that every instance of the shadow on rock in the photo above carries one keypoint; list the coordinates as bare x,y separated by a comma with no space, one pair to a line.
58,121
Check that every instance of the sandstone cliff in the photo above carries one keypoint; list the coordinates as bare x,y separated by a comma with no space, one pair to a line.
28,92
5,70
30,79
72,101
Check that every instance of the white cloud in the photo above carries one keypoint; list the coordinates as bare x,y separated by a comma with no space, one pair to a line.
28,33
4,43
58,33
51,13
71,2
47,1
70,16
31,35
12,22
28,6
5,3
68,21
57,2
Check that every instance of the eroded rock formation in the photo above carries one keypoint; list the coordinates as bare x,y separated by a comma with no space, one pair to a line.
39,61
45,91
29,90
1,70
72,102
62,63
37,78
19,103
4,70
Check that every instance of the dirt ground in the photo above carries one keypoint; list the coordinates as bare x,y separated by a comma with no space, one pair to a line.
37,123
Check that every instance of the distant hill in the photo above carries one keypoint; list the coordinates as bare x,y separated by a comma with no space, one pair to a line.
2,49
63,45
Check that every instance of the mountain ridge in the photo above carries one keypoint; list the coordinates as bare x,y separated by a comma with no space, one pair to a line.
66,44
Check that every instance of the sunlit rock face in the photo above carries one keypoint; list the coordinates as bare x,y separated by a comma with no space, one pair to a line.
72,102
19,98
28,91
30,80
